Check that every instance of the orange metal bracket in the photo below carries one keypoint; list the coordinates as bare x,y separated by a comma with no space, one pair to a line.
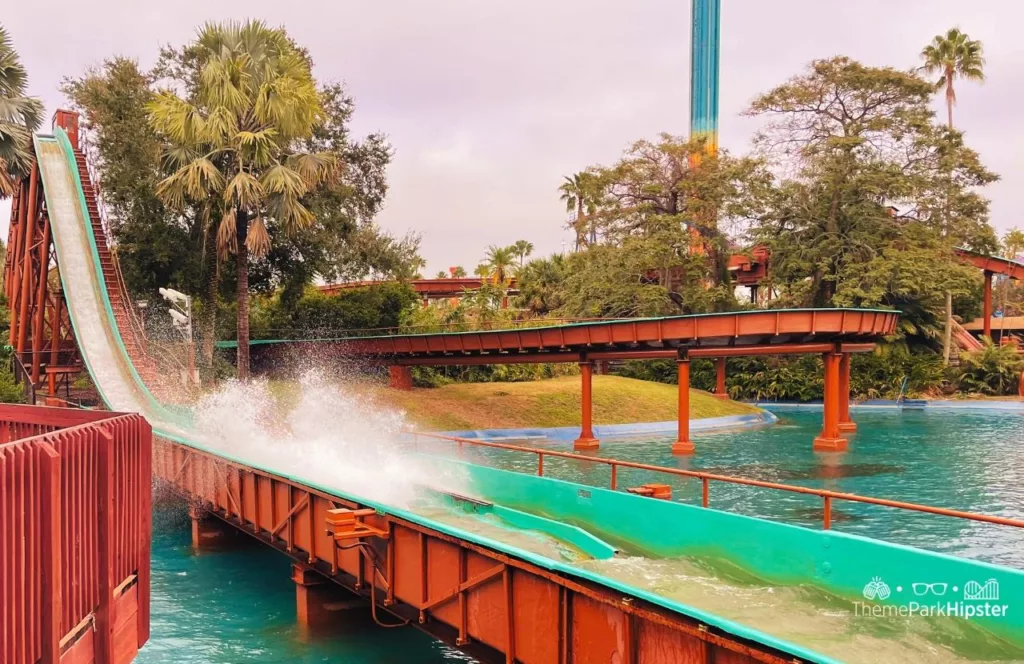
346,524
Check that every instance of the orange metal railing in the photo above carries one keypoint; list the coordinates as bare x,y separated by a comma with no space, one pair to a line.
707,478
75,502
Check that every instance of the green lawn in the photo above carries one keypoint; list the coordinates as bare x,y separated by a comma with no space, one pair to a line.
545,403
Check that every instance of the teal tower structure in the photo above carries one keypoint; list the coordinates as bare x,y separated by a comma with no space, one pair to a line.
704,61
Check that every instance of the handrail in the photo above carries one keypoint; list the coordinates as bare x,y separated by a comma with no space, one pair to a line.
706,479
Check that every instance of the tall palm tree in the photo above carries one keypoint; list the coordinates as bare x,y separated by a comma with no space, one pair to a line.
578,193
522,248
19,117
952,55
233,144
498,260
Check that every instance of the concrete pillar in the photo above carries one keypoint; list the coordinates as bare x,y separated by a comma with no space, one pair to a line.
829,440
320,603
683,444
987,305
846,423
586,441
720,390
400,377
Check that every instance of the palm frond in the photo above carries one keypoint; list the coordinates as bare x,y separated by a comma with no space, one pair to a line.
258,240
244,191
194,181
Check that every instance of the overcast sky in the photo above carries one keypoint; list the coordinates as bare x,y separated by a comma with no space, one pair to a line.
489,102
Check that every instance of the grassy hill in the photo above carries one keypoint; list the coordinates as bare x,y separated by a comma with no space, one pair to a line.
547,403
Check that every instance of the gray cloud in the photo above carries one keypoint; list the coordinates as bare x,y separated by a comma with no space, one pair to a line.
488,104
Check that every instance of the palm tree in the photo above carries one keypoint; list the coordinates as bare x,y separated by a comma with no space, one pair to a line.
232,146
459,272
441,274
20,116
483,270
952,56
522,248
498,260
578,193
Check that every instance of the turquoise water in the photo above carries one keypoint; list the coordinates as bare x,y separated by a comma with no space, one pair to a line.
238,605
972,461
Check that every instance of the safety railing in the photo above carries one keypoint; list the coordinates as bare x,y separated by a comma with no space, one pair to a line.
74,549
827,497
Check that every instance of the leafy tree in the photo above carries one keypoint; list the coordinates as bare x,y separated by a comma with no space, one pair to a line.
1013,243
232,147
879,192
20,116
317,315
522,249
655,191
542,285
952,56
579,192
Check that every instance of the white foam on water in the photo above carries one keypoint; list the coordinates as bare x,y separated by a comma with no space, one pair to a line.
332,437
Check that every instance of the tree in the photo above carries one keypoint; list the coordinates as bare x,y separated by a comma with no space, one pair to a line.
441,274
542,285
522,248
578,193
498,260
877,188
459,272
655,190
20,116
952,56
1013,243
232,147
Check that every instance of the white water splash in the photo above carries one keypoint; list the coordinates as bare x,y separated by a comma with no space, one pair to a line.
332,438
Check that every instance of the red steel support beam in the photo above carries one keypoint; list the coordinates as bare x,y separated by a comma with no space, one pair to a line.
400,377
15,243
720,390
645,354
987,305
830,440
41,299
683,444
28,233
586,441
846,423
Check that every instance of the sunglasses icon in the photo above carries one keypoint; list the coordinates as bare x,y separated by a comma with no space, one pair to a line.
933,588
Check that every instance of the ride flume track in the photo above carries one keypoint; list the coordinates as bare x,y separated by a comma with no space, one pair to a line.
496,600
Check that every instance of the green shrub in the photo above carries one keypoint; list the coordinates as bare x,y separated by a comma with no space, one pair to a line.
992,370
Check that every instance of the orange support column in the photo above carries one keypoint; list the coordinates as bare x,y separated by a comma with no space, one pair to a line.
207,531
720,390
586,441
846,424
683,444
400,377
320,604
829,439
986,305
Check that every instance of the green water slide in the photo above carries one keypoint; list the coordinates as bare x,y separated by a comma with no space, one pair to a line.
827,571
